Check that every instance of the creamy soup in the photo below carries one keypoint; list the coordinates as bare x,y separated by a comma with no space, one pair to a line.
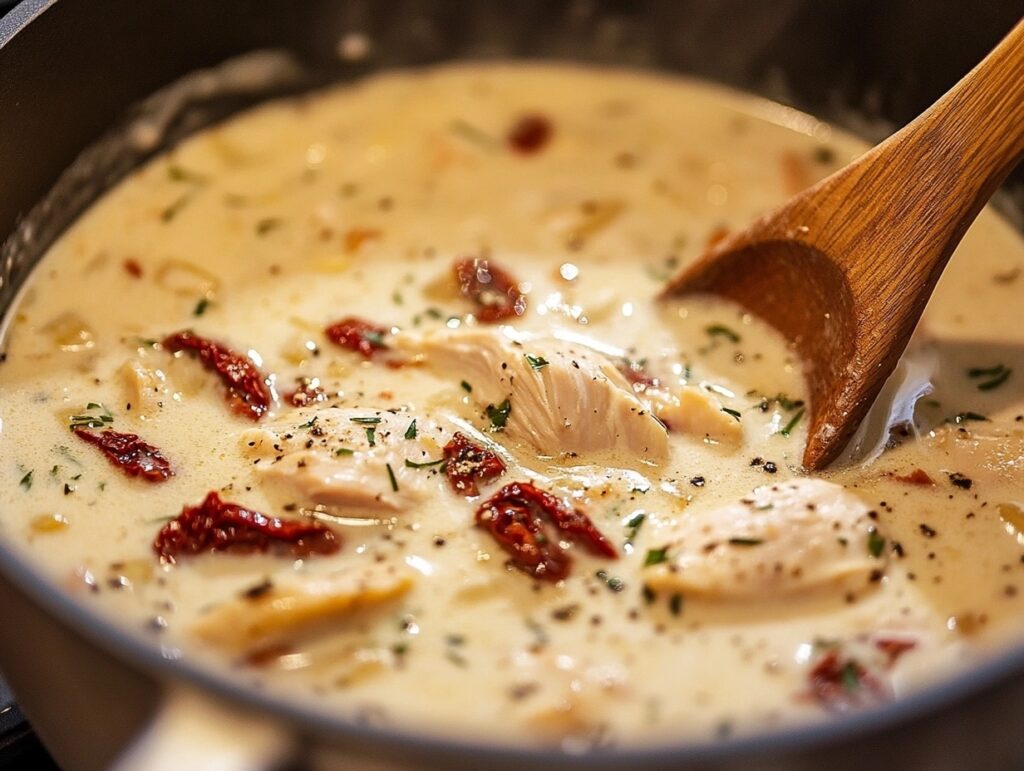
368,397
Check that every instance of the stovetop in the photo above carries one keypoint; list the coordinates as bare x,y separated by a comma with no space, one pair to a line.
19,746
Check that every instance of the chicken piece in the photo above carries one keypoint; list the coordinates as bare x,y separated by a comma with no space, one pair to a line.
145,387
349,459
695,412
563,698
783,539
565,398
274,611
983,453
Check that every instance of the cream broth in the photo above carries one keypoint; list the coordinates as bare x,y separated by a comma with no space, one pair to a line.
742,595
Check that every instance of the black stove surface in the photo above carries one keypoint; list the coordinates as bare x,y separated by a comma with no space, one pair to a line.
19,746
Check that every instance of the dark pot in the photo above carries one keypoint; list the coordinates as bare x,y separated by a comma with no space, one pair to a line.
73,75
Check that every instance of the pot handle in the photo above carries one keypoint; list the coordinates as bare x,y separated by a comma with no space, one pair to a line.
193,731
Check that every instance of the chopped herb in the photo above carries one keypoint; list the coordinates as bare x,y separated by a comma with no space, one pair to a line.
391,477
309,423
876,543
849,675
95,416
740,541
993,376
175,207
456,658
788,428
675,604
614,583
499,415
633,525
201,307
365,421
720,330
410,432
371,436
536,362
434,313
963,417
343,451
181,174
426,464
466,387
734,413
471,133
267,224
396,297
26,481
655,556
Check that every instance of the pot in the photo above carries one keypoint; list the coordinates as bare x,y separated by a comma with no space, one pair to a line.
88,91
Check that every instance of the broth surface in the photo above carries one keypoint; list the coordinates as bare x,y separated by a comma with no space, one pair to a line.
738,599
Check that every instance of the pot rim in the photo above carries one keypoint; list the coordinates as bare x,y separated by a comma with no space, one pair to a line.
167,663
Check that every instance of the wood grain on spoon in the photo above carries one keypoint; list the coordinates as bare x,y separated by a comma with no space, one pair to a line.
845,268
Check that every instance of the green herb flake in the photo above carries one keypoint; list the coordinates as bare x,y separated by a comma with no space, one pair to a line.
788,428
309,423
371,436
849,675
266,225
94,416
656,556
410,432
391,477
201,306
472,134
876,542
720,330
734,413
964,417
343,451
175,207
991,377
26,481
365,421
614,583
536,362
633,525
499,415
740,541
426,464
466,387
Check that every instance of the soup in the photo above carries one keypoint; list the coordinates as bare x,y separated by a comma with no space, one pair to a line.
368,397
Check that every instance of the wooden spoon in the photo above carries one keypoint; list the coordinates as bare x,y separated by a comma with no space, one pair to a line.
844,269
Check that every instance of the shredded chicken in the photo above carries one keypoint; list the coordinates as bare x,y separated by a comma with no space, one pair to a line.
694,412
274,611
565,398
783,539
349,459
145,387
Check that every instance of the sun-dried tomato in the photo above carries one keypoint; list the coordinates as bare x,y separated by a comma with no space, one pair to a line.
516,516
467,463
130,454
917,477
841,684
358,335
894,647
308,392
493,290
216,525
529,134
248,393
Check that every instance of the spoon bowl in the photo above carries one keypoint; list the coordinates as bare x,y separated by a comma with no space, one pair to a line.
844,269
